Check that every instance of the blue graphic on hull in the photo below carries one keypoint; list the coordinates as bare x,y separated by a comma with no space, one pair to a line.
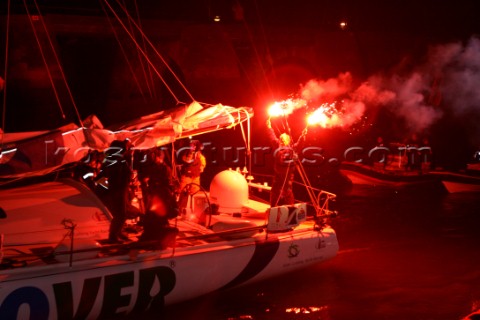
264,253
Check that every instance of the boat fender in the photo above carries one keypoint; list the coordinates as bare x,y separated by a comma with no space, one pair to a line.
82,249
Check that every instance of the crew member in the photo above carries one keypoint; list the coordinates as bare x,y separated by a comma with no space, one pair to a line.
284,167
117,174
161,204
193,164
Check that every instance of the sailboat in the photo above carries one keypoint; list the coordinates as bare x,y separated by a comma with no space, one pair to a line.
54,264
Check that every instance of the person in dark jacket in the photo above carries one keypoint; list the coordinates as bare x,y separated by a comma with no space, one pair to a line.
161,204
117,174
155,174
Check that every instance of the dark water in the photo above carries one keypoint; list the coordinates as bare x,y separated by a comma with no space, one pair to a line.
404,254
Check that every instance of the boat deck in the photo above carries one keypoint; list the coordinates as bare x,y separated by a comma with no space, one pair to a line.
247,228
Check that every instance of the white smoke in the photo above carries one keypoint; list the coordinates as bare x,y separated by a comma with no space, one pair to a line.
328,90
411,102
449,79
458,68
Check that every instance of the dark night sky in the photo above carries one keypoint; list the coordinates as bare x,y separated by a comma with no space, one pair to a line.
437,21
436,17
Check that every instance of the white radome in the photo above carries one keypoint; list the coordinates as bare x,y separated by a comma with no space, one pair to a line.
229,190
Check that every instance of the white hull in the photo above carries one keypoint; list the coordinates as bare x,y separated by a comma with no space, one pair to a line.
105,281
101,288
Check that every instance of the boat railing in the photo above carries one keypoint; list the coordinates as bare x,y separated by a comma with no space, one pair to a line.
324,200
323,207
73,248
76,252
320,199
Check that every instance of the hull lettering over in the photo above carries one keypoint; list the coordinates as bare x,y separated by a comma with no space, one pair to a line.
152,287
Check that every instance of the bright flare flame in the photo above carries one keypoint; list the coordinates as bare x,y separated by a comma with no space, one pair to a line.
326,116
276,110
285,107
343,113
318,117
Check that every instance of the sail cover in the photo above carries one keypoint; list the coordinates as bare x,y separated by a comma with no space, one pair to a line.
37,153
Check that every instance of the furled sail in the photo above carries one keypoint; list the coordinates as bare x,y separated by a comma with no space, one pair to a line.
36,153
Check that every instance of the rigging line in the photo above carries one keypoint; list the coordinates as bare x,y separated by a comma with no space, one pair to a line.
308,185
257,55
149,78
242,130
173,161
238,60
285,179
205,103
57,60
145,41
287,126
158,55
247,119
122,49
248,131
140,60
262,28
140,49
44,59
246,139
4,107
249,142
257,11
279,129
